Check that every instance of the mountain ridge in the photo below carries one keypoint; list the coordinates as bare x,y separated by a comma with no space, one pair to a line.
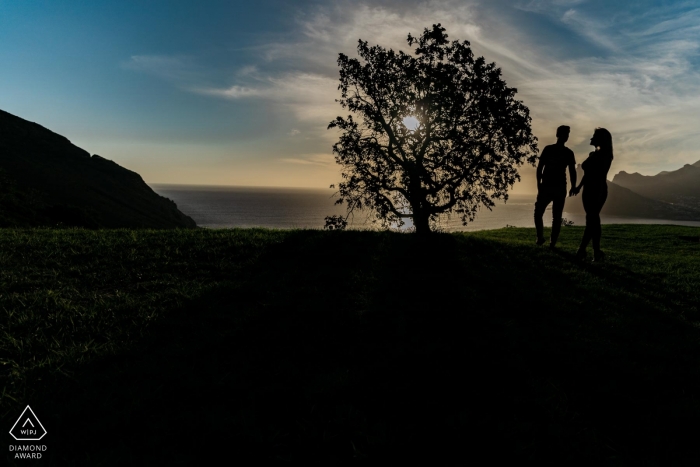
624,201
678,187
47,180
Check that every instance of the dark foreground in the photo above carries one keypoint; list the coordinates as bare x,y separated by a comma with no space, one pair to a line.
153,347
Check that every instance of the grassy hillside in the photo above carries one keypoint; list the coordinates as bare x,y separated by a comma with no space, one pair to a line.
337,347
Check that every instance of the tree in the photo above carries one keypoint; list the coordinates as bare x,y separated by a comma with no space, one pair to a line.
470,133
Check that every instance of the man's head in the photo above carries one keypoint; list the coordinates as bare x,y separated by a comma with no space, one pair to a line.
563,134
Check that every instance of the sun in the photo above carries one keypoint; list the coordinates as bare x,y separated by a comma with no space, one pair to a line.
411,122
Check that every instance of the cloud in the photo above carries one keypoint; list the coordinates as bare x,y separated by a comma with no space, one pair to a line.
309,95
590,28
294,132
644,91
635,72
232,92
310,159
325,31
300,76
679,23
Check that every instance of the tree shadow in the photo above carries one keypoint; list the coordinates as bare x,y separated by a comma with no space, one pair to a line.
377,347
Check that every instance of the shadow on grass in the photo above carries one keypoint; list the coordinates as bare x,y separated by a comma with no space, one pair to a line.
375,348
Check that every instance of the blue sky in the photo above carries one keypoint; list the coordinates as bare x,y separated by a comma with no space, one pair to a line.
241,93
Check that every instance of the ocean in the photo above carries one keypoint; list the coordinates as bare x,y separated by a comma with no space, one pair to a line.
220,207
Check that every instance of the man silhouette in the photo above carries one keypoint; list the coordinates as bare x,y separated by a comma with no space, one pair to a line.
551,183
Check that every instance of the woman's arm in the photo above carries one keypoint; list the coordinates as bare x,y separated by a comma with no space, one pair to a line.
575,190
587,165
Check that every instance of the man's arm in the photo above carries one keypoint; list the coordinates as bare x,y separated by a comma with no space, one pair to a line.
540,167
572,176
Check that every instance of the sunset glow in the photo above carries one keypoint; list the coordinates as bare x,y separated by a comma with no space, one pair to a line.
241,94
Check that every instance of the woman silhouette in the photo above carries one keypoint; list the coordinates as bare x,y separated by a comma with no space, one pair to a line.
594,181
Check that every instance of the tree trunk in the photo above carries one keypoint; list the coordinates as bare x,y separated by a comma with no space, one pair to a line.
421,223
421,218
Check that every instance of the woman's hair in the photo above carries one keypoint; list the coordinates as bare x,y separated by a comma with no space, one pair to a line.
604,140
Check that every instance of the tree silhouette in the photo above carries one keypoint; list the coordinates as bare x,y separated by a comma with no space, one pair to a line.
469,132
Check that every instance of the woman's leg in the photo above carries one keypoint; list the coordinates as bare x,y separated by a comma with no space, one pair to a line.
597,232
589,208
587,235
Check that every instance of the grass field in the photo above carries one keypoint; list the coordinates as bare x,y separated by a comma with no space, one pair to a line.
175,347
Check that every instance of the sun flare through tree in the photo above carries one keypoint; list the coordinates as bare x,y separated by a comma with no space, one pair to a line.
430,133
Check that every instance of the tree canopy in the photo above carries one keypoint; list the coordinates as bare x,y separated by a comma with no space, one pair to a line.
432,132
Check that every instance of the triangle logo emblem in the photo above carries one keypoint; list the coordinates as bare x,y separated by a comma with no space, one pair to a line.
28,427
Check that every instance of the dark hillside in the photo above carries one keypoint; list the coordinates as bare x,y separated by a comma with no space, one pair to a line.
46,180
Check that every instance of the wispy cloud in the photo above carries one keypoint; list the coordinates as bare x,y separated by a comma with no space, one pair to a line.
305,81
673,21
308,98
232,92
310,159
592,29
639,79
645,92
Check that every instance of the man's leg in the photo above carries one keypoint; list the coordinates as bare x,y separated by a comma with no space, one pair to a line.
557,210
540,206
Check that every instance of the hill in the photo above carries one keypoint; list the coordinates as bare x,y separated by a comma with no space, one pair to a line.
680,187
318,348
46,180
627,202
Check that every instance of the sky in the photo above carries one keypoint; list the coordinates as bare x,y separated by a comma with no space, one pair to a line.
241,93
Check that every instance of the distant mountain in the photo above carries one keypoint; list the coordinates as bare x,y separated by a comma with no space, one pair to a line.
46,180
680,187
624,202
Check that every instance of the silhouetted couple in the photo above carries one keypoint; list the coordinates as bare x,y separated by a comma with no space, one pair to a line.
551,187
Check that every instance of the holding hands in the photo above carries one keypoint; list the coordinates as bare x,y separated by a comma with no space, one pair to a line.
574,190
